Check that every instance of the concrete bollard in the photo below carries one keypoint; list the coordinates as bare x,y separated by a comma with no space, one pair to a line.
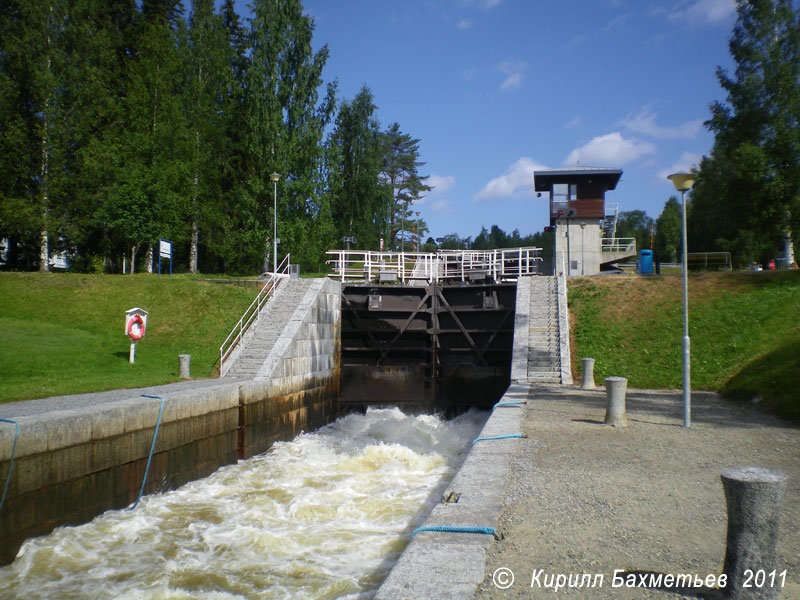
587,366
615,392
185,359
753,496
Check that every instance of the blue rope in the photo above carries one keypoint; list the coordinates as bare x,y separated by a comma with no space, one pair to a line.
497,437
152,448
10,462
449,529
516,403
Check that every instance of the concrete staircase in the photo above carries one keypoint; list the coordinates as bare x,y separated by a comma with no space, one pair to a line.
259,341
541,333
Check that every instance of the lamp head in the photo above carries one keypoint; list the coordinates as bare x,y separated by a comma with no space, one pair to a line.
683,182
274,176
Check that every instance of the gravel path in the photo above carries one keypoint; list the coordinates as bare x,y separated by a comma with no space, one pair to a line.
587,498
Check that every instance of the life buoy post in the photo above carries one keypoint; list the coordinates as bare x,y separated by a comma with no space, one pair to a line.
135,327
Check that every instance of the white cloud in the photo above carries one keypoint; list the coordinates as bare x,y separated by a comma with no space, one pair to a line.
517,181
645,122
443,206
620,20
610,150
465,24
440,183
513,70
686,162
703,12
576,40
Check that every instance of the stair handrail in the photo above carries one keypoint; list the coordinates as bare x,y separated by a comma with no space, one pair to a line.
562,304
251,313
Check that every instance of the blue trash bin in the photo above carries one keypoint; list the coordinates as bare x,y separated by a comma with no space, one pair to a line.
646,262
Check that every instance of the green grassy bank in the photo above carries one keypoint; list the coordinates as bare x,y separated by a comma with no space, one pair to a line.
744,330
63,333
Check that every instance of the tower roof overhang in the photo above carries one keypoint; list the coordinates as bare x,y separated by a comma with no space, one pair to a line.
544,179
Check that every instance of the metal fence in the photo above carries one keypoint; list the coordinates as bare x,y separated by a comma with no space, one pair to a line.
422,268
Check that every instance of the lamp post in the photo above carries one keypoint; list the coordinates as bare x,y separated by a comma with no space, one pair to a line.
274,177
683,182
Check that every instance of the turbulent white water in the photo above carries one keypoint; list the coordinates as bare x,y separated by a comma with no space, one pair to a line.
324,516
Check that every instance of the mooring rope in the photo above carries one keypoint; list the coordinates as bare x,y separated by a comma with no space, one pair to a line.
11,461
497,437
451,529
152,447
515,403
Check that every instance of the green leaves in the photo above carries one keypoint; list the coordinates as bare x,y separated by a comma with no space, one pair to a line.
748,190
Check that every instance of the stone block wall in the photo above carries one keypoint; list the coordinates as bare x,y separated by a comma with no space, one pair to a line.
70,466
297,388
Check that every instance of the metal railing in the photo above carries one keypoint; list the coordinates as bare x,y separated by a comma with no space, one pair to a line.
709,260
251,315
626,245
425,267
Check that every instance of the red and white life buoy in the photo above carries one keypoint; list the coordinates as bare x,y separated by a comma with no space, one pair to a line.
136,328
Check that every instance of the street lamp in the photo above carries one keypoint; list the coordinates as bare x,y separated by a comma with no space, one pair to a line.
274,177
683,182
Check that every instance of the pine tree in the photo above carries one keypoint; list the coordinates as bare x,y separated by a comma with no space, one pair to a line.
400,174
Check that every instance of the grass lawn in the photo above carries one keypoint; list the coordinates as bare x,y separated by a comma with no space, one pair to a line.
744,330
63,333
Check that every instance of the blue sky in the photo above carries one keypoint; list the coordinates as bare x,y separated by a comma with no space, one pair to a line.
497,88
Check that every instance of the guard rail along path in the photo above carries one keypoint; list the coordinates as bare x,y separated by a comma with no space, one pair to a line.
232,343
443,266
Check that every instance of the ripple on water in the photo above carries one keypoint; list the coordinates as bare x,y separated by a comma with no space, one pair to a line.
314,518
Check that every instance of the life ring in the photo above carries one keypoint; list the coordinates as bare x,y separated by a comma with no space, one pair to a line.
136,328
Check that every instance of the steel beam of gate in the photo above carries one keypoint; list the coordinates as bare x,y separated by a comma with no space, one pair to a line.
390,345
494,335
360,322
463,329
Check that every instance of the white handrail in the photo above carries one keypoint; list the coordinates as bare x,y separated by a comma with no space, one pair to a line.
499,264
627,245
251,314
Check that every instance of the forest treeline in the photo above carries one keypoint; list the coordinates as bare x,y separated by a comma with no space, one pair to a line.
126,122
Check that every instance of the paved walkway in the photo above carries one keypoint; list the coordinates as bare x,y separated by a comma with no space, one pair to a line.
587,498
32,408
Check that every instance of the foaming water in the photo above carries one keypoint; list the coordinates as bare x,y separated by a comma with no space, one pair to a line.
324,516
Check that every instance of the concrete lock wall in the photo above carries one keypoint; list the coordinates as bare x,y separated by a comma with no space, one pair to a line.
297,389
69,466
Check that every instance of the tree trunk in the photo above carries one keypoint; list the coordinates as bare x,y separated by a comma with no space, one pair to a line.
193,251
134,248
148,259
44,250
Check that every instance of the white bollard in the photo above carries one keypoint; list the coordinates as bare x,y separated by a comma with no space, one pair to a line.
185,360
753,496
587,366
616,388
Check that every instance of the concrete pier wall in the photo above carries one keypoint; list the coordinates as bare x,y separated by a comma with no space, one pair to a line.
71,465
297,388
